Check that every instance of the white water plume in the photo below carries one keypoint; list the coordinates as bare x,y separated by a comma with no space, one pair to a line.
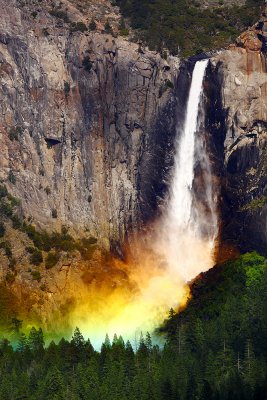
189,224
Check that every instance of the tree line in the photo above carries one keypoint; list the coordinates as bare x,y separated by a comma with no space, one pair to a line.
216,348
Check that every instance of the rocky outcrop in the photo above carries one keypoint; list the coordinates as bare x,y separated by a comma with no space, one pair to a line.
79,114
241,73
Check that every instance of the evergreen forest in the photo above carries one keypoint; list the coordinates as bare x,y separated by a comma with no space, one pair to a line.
215,348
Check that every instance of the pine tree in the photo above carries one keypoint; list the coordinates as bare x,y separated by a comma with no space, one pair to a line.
105,356
148,342
51,357
77,339
121,342
142,354
76,349
107,341
22,343
36,340
171,324
89,349
115,340
54,385
129,361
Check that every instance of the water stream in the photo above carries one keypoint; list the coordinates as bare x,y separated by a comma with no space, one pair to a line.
189,224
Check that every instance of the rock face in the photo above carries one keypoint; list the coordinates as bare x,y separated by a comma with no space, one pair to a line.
241,75
87,122
79,114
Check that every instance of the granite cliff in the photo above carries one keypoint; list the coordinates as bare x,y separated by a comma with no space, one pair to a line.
87,120
80,113
240,126
87,128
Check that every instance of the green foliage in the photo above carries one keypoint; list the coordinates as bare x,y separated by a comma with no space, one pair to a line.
36,275
14,202
15,132
254,266
217,291
60,241
36,257
6,209
8,205
255,204
77,339
124,32
52,259
54,385
165,86
86,247
78,27
16,222
186,28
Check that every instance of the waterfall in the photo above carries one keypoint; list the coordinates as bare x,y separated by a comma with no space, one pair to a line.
177,249
189,224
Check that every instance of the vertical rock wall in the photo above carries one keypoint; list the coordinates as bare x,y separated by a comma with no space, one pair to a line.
85,119
241,75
